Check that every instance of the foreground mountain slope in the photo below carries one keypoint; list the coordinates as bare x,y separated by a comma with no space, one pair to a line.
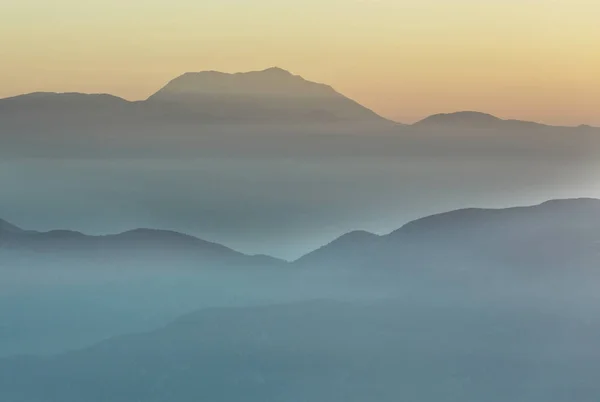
327,351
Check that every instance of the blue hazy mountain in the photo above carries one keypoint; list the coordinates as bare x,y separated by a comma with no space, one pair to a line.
555,232
330,351
138,280
561,235
6,228
138,242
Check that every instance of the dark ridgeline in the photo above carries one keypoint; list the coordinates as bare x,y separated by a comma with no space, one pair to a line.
549,236
270,96
273,97
475,120
560,236
163,244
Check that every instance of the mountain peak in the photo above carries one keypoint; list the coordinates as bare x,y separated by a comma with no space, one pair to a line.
273,81
271,95
475,120
465,118
275,70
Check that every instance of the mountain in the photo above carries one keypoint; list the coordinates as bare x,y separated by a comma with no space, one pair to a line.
88,288
551,235
7,228
272,95
345,249
556,236
159,244
474,120
329,351
50,102
62,109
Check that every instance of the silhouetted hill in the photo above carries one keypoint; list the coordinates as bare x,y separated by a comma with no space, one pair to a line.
272,95
63,107
555,235
163,244
54,101
345,249
273,81
41,121
474,120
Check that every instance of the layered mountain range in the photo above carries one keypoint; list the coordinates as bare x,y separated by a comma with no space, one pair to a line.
273,95
458,303
559,234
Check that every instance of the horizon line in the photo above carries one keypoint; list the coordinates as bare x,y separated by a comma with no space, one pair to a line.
279,69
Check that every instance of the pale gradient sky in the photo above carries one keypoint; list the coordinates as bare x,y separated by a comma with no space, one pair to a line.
530,59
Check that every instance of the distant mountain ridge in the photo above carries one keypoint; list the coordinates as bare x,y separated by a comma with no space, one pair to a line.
553,235
556,233
146,241
270,95
478,120
272,81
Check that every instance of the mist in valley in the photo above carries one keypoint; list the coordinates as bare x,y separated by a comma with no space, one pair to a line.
260,237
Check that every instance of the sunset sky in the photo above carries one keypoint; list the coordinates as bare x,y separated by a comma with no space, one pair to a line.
528,59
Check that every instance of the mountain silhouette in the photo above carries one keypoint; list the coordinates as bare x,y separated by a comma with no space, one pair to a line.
548,236
137,242
342,250
474,120
272,95
63,107
561,235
